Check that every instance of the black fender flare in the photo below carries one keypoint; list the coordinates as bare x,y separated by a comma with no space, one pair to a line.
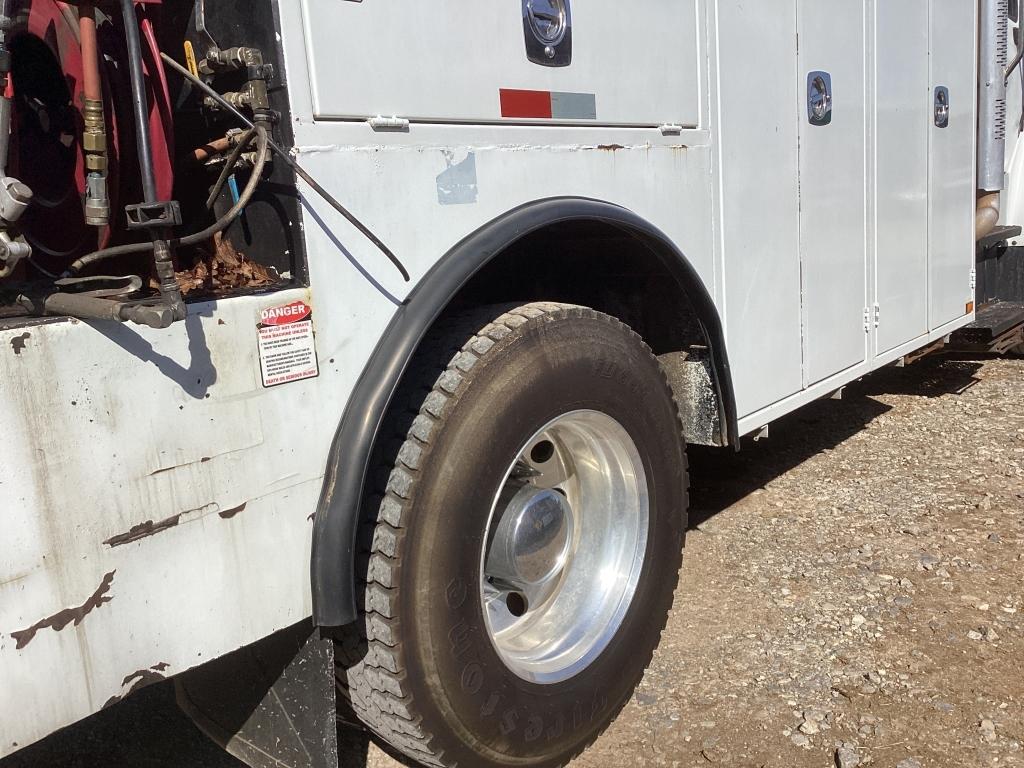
337,517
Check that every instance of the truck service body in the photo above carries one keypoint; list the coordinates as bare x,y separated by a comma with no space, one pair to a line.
778,198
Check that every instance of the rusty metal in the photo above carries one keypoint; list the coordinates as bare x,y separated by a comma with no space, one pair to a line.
137,680
142,531
227,514
58,621
18,342
916,355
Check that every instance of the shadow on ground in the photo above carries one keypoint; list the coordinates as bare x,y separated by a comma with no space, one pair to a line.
721,477
149,731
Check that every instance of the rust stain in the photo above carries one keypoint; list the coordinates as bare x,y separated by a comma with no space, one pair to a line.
150,528
161,471
203,460
138,680
60,620
18,342
227,514
143,530
610,147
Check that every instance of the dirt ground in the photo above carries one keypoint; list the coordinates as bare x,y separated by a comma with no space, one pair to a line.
852,594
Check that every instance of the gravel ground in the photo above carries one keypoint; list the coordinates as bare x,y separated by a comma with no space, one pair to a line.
852,594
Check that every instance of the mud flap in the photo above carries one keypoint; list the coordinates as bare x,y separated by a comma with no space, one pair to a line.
692,378
272,704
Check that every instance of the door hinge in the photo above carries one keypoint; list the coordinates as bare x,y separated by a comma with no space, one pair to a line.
878,315
867,320
974,278
380,123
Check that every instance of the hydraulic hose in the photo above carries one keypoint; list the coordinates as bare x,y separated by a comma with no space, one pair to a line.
90,52
140,104
299,171
224,222
262,151
163,258
229,167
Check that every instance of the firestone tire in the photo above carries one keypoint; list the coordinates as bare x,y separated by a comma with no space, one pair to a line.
421,668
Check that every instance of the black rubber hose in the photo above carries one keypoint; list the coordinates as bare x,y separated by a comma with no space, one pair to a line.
263,141
229,167
299,171
107,253
262,151
139,102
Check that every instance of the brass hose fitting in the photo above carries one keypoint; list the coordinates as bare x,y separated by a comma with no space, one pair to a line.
94,143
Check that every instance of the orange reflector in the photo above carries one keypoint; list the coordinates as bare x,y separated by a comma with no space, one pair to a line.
970,307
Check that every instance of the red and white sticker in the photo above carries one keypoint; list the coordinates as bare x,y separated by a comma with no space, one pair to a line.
287,344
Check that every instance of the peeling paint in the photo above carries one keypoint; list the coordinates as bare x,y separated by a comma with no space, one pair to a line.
202,460
227,514
143,530
150,528
457,185
160,471
610,147
60,620
18,342
138,680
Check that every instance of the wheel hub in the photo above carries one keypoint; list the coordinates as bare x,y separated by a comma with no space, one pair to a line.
565,546
533,537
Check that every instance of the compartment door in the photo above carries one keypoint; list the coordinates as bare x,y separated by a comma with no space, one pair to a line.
902,124
833,207
473,61
760,204
951,182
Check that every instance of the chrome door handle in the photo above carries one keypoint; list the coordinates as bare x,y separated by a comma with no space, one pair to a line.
941,106
819,98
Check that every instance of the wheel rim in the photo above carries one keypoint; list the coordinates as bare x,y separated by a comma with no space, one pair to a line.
565,546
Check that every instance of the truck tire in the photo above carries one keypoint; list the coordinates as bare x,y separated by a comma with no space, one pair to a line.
522,549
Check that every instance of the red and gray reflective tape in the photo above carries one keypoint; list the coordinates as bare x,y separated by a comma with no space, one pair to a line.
548,105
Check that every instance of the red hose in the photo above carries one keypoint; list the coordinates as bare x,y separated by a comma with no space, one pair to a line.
91,84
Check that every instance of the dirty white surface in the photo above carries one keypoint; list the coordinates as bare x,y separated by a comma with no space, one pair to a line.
852,593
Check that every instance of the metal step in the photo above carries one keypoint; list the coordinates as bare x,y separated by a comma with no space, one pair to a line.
997,327
997,236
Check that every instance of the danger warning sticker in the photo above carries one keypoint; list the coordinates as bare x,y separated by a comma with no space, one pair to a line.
287,344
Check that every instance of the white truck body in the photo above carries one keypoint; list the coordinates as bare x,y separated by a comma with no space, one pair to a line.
156,499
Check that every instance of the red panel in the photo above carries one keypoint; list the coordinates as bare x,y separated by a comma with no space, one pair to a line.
529,104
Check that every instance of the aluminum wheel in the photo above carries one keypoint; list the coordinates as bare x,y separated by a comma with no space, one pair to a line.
565,546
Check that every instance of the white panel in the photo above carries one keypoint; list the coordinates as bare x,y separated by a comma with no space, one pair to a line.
951,183
760,219
447,59
901,157
833,208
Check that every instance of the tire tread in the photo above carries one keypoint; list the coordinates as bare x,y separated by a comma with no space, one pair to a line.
370,659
